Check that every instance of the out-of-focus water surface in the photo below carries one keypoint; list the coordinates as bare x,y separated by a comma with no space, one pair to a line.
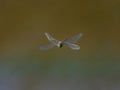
96,66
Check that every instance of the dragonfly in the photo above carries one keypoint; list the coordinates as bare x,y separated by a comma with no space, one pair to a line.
65,42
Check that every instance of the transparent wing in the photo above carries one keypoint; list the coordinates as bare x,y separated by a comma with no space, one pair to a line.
51,39
76,38
72,46
46,47
64,40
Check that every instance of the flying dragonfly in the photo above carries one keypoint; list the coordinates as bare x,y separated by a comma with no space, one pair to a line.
66,42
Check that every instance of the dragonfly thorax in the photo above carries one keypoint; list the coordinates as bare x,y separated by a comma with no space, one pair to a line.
60,44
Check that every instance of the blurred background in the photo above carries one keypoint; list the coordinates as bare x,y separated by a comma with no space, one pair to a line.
23,66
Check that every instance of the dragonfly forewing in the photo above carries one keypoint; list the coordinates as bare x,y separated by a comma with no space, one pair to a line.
51,39
75,38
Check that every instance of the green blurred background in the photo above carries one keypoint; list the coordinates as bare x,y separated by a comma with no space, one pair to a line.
96,66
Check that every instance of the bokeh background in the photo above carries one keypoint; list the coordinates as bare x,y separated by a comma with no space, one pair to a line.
96,66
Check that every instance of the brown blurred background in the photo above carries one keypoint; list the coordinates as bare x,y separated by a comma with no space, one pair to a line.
22,27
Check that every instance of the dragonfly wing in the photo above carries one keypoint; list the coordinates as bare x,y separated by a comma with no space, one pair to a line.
46,47
72,46
51,39
75,38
